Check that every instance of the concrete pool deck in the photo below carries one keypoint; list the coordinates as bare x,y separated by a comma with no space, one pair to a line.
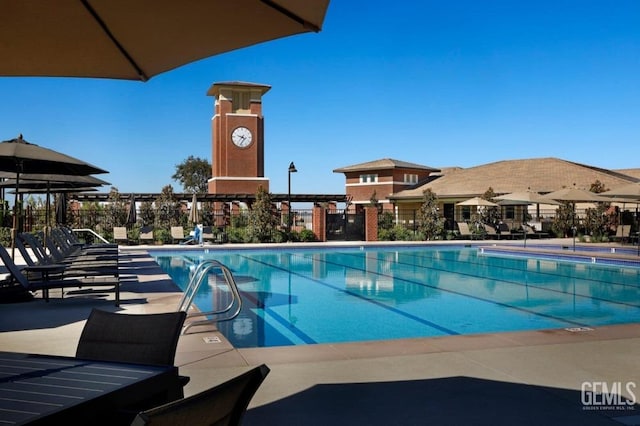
531,377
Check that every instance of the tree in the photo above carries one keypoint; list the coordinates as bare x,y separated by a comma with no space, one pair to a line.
261,222
193,174
167,208
431,223
490,215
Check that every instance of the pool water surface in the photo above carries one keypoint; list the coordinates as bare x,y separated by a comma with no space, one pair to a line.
332,295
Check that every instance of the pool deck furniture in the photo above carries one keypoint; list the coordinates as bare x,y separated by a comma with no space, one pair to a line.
45,389
222,404
49,278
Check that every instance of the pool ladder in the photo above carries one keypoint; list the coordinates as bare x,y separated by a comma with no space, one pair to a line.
200,275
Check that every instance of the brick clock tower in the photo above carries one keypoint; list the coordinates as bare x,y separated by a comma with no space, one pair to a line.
237,138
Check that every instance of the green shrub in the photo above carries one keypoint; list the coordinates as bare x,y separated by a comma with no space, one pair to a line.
307,235
163,235
5,237
237,235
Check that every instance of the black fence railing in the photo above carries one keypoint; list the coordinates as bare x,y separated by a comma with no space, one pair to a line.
102,222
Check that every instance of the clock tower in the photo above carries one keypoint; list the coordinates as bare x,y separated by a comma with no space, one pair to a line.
237,138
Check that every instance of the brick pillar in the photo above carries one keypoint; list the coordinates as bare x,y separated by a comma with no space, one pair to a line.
319,221
371,223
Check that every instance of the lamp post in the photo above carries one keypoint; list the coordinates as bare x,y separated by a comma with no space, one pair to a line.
292,169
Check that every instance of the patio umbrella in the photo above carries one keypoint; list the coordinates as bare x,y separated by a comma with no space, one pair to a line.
523,198
194,214
136,40
575,195
631,190
629,193
19,156
61,208
132,215
33,185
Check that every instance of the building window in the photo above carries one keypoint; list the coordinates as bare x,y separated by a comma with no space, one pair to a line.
466,213
410,178
509,212
368,178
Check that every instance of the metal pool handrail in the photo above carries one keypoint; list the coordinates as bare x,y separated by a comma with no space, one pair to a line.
200,274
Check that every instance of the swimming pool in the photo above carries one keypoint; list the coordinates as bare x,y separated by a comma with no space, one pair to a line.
330,295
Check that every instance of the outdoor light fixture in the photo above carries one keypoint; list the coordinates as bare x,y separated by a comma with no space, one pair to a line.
292,169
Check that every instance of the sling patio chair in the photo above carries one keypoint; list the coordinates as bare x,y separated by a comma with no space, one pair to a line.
177,235
146,235
135,338
75,266
48,280
120,235
223,404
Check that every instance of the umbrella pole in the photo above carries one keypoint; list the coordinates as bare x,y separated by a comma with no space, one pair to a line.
14,230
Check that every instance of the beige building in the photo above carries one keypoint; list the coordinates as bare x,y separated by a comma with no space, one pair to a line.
455,184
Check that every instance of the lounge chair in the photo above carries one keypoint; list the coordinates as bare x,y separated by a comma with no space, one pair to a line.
490,232
76,264
177,234
135,338
623,233
223,404
120,235
47,281
207,233
505,231
146,235
463,230
74,241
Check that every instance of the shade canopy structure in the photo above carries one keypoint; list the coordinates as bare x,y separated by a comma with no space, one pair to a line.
477,201
136,40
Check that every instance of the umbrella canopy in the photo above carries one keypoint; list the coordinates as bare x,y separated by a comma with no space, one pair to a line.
19,156
631,190
524,197
575,195
51,186
136,40
477,201
194,214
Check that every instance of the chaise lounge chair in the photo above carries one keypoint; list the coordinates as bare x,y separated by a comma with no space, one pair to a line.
45,283
146,235
177,235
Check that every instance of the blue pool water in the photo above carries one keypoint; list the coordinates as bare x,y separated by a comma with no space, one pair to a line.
308,296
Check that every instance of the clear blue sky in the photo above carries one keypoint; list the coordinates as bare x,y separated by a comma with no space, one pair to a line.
439,83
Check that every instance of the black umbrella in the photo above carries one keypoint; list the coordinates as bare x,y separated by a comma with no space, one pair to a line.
61,209
132,216
19,156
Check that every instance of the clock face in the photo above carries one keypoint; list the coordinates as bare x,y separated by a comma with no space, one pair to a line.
241,137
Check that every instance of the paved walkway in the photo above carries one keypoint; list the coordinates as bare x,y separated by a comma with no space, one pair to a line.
529,378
